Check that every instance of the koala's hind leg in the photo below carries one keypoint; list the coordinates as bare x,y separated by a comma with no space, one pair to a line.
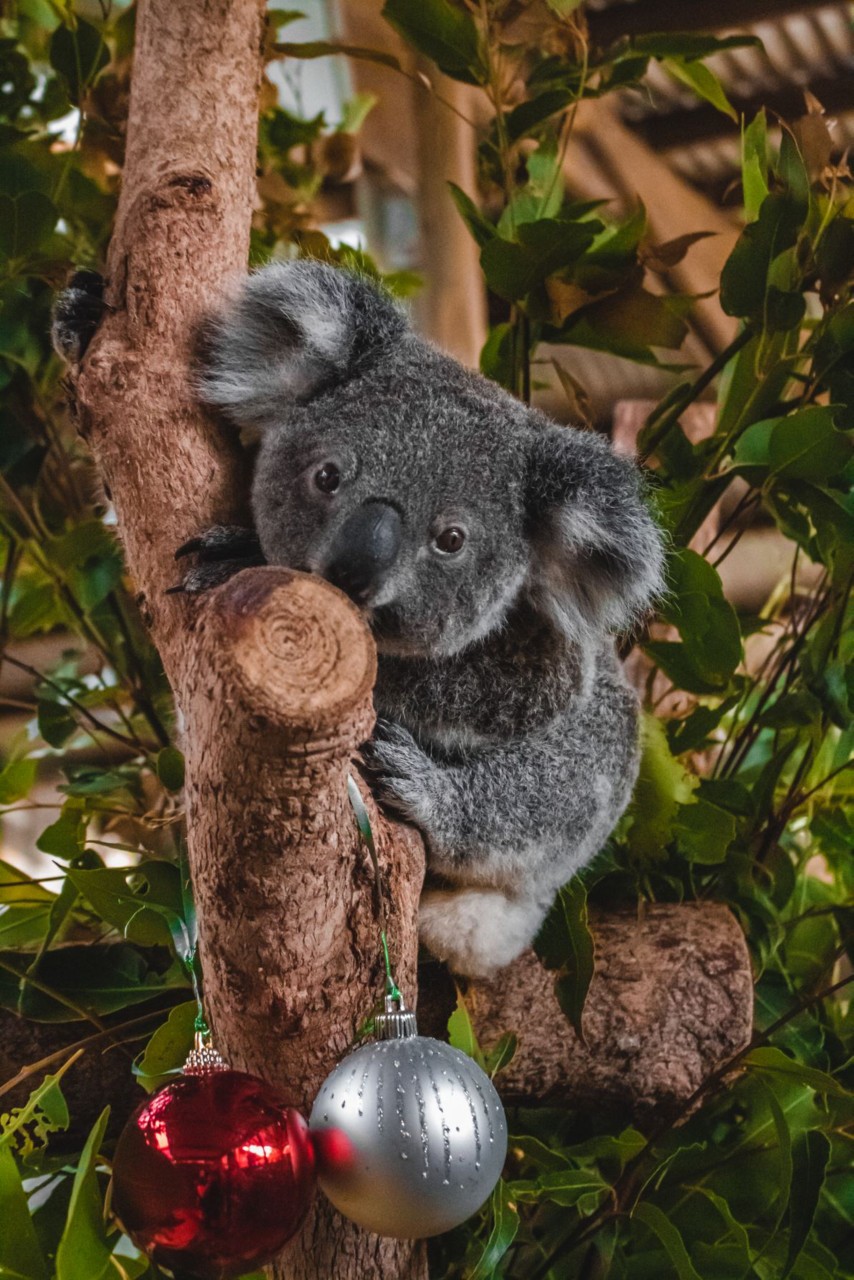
77,312
221,552
476,931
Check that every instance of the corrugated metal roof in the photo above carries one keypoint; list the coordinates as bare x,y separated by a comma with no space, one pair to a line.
810,48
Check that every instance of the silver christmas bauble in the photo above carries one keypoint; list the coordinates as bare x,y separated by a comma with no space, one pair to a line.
410,1134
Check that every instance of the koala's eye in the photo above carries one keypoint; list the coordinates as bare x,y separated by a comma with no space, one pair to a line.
328,478
450,540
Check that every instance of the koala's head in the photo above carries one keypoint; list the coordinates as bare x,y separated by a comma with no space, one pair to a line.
429,495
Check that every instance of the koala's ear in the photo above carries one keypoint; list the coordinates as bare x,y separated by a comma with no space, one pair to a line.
597,555
292,330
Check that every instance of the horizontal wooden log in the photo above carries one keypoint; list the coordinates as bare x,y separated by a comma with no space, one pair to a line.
671,999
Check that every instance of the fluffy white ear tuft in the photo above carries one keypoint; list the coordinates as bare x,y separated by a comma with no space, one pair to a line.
598,558
292,330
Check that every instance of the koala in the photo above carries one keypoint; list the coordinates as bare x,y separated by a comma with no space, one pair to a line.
495,555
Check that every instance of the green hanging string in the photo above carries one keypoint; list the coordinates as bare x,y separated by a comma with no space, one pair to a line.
363,822
391,987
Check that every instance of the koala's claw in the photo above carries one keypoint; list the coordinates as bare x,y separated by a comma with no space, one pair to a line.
221,542
405,779
207,576
221,551
77,312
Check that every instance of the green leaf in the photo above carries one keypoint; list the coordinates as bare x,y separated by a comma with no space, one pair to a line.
55,720
166,1051
663,785
502,1054
528,115
807,446
505,1224
704,831
745,277
65,837
280,130
496,358
704,83
84,1251
568,1187
514,268
16,780
784,1148
670,1236
768,1058
754,165
692,732
95,977
170,768
141,901
688,47
784,309
565,944
563,8
92,559
442,32
461,1033
705,620
810,1157
45,1112
310,49
480,227
26,220
25,908
21,1257
628,323
356,112
78,55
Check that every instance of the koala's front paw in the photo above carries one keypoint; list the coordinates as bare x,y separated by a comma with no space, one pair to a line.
221,552
405,779
77,312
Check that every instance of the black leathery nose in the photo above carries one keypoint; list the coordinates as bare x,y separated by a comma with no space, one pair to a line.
365,549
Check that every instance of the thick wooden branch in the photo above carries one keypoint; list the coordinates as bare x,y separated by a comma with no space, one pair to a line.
272,674
279,699
670,1000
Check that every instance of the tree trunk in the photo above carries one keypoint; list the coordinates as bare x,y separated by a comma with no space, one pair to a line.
272,673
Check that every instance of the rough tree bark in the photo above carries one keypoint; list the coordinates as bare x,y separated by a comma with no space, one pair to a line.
272,673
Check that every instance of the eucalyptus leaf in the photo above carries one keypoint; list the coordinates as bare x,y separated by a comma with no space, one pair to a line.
810,1156
565,944
21,1257
167,1050
140,901
505,1225
697,76
84,1250
461,1033
78,53
659,1223
443,32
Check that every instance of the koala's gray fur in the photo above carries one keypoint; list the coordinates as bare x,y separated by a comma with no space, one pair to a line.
507,732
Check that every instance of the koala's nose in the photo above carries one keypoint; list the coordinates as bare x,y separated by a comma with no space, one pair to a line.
365,549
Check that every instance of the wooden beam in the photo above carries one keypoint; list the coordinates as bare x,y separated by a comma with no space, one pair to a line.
704,124
633,170
628,19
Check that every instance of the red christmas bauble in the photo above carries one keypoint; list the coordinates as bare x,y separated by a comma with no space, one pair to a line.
213,1174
